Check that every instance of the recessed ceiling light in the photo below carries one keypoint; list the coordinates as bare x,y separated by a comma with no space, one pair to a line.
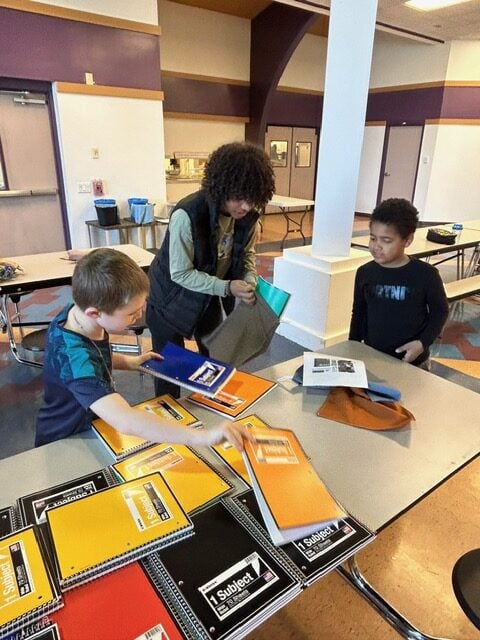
431,5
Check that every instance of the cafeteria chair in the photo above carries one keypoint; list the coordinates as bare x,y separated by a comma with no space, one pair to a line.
466,584
27,349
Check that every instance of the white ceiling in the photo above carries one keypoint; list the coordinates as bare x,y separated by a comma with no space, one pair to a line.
458,22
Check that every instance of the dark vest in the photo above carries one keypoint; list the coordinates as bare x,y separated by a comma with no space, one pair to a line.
182,308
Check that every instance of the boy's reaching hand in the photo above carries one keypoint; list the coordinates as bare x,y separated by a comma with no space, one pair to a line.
228,431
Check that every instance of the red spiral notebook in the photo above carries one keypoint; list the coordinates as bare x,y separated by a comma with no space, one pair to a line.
122,605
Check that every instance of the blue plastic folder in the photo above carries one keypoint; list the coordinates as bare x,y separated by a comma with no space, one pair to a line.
275,298
190,369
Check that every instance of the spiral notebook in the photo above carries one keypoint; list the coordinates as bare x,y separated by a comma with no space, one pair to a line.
292,498
224,578
312,556
28,591
121,445
189,369
232,457
121,605
237,397
115,526
8,521
192,479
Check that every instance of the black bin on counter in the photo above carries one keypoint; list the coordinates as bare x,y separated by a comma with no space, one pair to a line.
107,212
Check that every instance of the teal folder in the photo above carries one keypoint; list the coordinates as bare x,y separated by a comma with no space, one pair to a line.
275,298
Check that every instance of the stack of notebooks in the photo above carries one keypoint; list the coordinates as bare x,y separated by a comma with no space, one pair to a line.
237,397
28,590
120,445
232,457
312,556
224,580
105,530
293,500
193,480
121,605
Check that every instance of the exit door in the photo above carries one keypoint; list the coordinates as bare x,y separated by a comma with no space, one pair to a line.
293,153
401,163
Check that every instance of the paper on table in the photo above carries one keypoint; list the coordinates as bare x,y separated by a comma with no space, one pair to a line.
322,370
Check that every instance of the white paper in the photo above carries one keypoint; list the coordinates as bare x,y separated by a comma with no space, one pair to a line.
322,370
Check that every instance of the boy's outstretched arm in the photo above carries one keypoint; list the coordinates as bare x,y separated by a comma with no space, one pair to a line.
115,410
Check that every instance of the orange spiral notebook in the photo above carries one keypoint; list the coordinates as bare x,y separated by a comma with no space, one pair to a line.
239,395
108,529
292,498
231,456
193,480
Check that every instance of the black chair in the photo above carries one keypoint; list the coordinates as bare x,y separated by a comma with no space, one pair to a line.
466,584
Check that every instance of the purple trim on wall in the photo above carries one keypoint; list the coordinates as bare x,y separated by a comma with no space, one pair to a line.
198,96
305,110
461,102
42,47
295,110
411,106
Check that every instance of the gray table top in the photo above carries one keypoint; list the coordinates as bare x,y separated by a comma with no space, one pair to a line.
375,475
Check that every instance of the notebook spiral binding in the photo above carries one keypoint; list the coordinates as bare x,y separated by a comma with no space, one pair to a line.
240,511
9,520
87,575
35,617
212,466
190,625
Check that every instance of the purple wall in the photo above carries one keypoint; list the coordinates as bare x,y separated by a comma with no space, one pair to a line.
412,106
198,96
38,47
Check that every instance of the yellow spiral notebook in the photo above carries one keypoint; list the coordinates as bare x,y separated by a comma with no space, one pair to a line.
121,445
115,526
27,591
193,480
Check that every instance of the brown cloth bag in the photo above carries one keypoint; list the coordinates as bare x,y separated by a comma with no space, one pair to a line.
352,406
244,334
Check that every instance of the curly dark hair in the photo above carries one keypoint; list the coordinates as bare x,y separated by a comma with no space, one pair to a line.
239,171
399,213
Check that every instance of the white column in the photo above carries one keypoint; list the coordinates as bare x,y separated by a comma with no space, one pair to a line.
320,277
349,56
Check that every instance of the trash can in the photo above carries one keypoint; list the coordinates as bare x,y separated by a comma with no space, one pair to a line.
107,212
141,211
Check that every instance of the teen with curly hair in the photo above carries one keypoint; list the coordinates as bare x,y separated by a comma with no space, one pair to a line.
208,252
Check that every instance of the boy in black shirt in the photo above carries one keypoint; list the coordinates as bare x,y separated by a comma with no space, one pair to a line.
399,304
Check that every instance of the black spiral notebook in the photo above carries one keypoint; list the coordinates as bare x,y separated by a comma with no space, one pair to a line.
8,520
223,579
312,556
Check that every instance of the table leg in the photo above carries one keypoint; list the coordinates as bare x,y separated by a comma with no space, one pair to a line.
297,226
354,577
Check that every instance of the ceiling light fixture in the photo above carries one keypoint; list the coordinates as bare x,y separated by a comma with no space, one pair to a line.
431,5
